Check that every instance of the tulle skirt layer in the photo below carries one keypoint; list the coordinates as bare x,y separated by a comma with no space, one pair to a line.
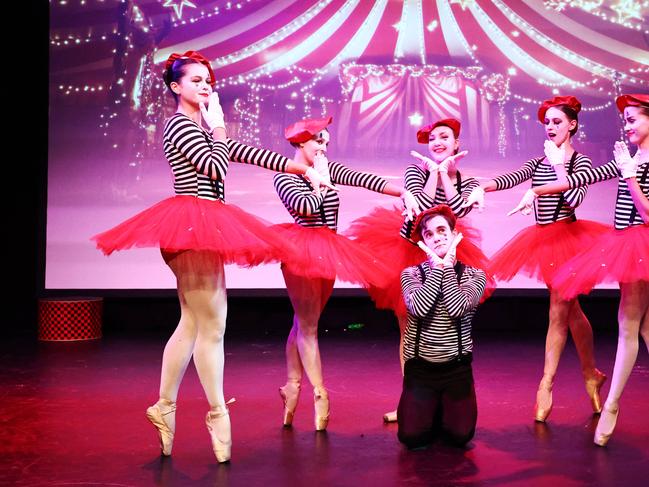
183,223
322,253
615,256
540,250
379,232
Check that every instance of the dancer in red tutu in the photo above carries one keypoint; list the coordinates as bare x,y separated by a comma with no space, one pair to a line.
322,256
197,234
620,255
390,237
541,249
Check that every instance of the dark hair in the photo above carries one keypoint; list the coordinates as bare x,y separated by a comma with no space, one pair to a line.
175,72
427,218
571,114
644,110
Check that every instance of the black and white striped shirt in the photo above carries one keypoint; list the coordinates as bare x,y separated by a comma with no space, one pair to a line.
542,173
625,216
436,304
311,210
415,180
200,164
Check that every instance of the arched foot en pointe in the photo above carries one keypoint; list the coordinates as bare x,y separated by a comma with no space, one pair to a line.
605,425
543,406
218,426
321,405
290,394
156,414
593,386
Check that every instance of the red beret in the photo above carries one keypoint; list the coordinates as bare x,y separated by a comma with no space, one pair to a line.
423,134
442,210
305,129
196,56
570,101
631,101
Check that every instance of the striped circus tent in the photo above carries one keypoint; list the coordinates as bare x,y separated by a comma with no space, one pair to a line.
458,57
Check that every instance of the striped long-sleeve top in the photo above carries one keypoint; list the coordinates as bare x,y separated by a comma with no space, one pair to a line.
540,172
311,210
436,304
415,179
200,164
625,211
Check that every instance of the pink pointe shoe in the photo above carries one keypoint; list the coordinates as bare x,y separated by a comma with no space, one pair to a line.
156,414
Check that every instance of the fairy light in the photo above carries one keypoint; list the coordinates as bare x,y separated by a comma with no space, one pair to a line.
272,39
622,10
558,49
517,114
351,73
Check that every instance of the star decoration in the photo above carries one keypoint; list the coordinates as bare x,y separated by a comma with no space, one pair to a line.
178,6
627,9
416,119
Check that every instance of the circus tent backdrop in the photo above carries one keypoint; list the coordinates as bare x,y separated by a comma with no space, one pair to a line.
379,66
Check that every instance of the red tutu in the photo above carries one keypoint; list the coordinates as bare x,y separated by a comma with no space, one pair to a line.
379,231
322,253
615,256
189,223
538,251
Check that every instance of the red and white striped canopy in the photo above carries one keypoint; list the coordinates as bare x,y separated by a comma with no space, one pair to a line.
533,42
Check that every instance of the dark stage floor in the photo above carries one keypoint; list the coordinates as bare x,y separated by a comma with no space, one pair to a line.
73,414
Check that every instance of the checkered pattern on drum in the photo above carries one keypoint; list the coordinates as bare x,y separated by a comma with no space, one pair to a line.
60,320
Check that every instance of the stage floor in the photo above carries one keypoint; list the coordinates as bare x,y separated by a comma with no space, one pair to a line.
73,414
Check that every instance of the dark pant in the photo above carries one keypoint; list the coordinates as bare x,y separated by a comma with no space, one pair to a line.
438,400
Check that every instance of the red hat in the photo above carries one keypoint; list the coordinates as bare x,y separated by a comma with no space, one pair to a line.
570,101
305,129
196,56
631,101
443,210
423,134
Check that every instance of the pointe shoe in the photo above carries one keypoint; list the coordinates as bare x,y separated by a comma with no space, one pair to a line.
593,385
290,393
321,404
156,416
222,449
603,432
543,406
390,417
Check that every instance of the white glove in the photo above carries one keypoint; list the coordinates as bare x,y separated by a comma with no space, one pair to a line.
317,181
433,258
526,204
412,207
625,163
321,164
555,155
449,258
428,163
213,114
476,199
451,160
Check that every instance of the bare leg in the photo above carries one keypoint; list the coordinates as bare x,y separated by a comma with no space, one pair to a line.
201,291
555,342
582,334
633,311
308,297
